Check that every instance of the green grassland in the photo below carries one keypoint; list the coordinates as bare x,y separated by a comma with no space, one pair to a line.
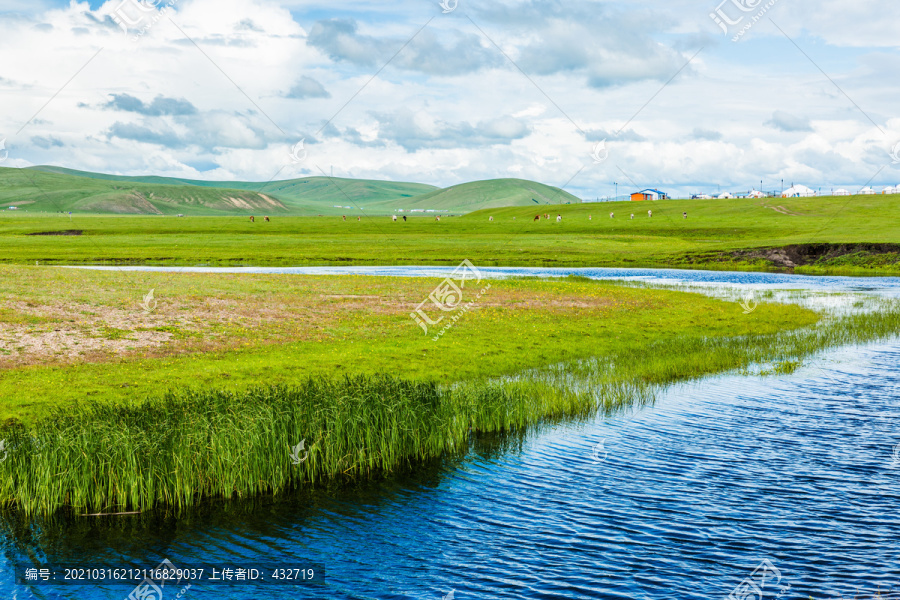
712,236
234,331
255,363
167,424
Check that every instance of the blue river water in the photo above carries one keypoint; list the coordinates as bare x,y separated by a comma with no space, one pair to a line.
796,477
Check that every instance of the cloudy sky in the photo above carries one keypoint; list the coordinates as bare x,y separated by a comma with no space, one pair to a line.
688,95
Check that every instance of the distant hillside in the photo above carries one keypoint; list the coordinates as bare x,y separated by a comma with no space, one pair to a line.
307,195
491,193
53,189
39,191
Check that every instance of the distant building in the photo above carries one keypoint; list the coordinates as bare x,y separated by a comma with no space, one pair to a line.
648,194
798,191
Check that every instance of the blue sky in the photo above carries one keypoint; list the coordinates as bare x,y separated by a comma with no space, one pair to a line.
225,89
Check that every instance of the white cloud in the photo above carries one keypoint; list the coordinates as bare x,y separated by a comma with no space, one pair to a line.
786,121
451,107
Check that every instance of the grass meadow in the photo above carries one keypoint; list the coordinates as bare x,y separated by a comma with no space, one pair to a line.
710,237
125,391
109,407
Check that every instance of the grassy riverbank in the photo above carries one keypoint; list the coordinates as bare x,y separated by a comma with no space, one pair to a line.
111,407
819,235
71,335
180,448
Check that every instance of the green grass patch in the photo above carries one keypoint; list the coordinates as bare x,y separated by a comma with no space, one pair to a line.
182,447
353,325
711,237
10,316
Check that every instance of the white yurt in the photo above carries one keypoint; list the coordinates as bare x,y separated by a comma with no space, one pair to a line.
756,194
798,191
890,190
841,192
725,195
867,191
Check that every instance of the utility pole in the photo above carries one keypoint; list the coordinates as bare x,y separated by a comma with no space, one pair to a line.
616,183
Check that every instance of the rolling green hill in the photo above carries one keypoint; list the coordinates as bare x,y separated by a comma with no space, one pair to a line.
38,191
55,189
479,195
307,195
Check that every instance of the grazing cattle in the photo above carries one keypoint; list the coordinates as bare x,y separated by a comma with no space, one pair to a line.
537,217
344,217
632,216
394,218
558,218
404,218
267,219
252,220
684,215
650,213
589,217
358,219
612,215
490,218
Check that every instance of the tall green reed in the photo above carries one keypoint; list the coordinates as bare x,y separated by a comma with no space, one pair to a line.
177,449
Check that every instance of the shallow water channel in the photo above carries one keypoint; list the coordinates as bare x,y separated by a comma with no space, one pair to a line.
787,483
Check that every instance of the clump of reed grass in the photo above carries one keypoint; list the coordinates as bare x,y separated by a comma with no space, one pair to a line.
182,447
